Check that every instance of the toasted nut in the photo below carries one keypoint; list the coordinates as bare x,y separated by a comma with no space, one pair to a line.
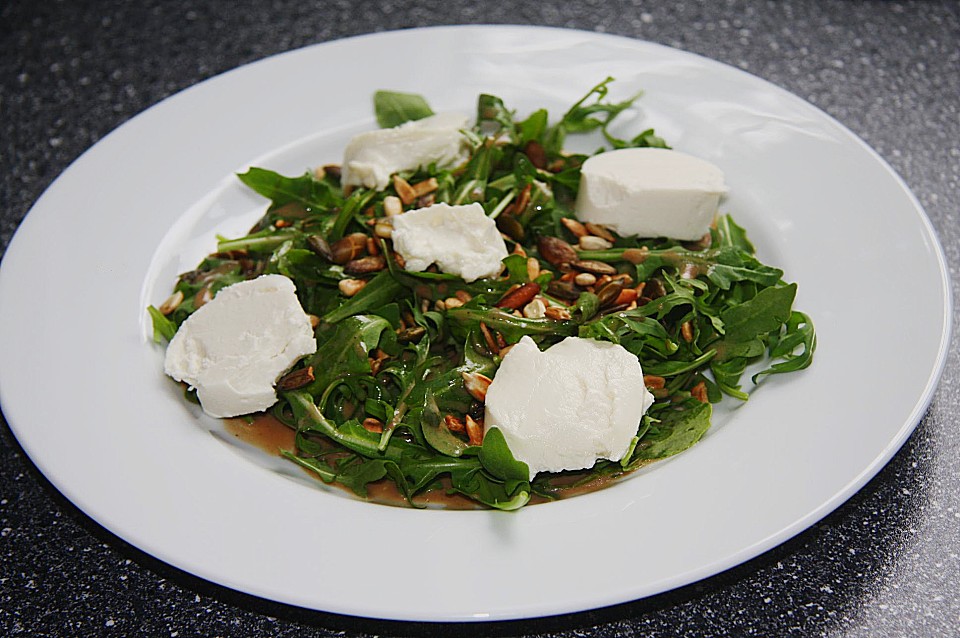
636,255
519,297
330,170
350,287
452,302
518,249
625,279
600,231
626,296
575,227
557,314
686,331
296,379
489,338
383,229
463,296
585,279
504,351
282,223
439,305
699,392
373,248
509,226
203,296
364,265
653,381
314,320
533,268
426,200
555,250
593,266
592,242
392,206
453,423
476,384
536,153
171,303
404,190
474,431
536,309
607,295
426,186
522,200
373,425
348,248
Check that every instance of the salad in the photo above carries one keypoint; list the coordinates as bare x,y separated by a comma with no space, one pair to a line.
395,390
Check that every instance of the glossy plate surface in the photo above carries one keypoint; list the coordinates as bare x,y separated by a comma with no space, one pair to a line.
83,390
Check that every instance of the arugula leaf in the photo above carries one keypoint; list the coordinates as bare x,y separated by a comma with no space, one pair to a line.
312,193
675,431
393,108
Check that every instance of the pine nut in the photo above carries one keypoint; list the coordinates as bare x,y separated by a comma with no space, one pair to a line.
591,242
350,287
536,309
392,206
585,279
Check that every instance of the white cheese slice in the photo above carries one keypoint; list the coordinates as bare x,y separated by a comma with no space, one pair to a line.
235,347
563,409
650,192
460,240
373,156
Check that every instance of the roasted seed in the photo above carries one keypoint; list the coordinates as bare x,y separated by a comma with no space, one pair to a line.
555,250
607,295
557,314
699,392
520,296
476,384
296,379
563,290
686,331
426,186
383,229
320,246
536,309
364,265
392,206
523,200
439,305
575,227
203,296
509,226
600,231
636,255
171,303
282,223
474,431
593,266
653,381
426,200
535,153
463,296
373,425
626,297
489,339
592,242
533,268
453,423
331,170
585,279
314,320
404,190
412,334
348,248
350,287
452,302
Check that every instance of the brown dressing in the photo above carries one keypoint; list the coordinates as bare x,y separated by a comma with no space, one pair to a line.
266,432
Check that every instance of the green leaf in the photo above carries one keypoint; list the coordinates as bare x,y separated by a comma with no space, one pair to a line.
342,349
676,431
162,327
769,310
312,193
393,108
379,291
497,458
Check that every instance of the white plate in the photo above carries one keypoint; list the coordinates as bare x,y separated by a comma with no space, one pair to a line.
83,390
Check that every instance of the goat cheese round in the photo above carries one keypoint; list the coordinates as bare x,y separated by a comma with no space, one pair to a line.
235,347
460,240
371,157
650,192
568,406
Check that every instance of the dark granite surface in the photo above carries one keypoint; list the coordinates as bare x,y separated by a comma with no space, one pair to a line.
887,563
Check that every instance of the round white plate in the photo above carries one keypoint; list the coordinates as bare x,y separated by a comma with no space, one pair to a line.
83,390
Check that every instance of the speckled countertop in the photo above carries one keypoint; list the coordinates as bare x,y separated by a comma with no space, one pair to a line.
887,563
